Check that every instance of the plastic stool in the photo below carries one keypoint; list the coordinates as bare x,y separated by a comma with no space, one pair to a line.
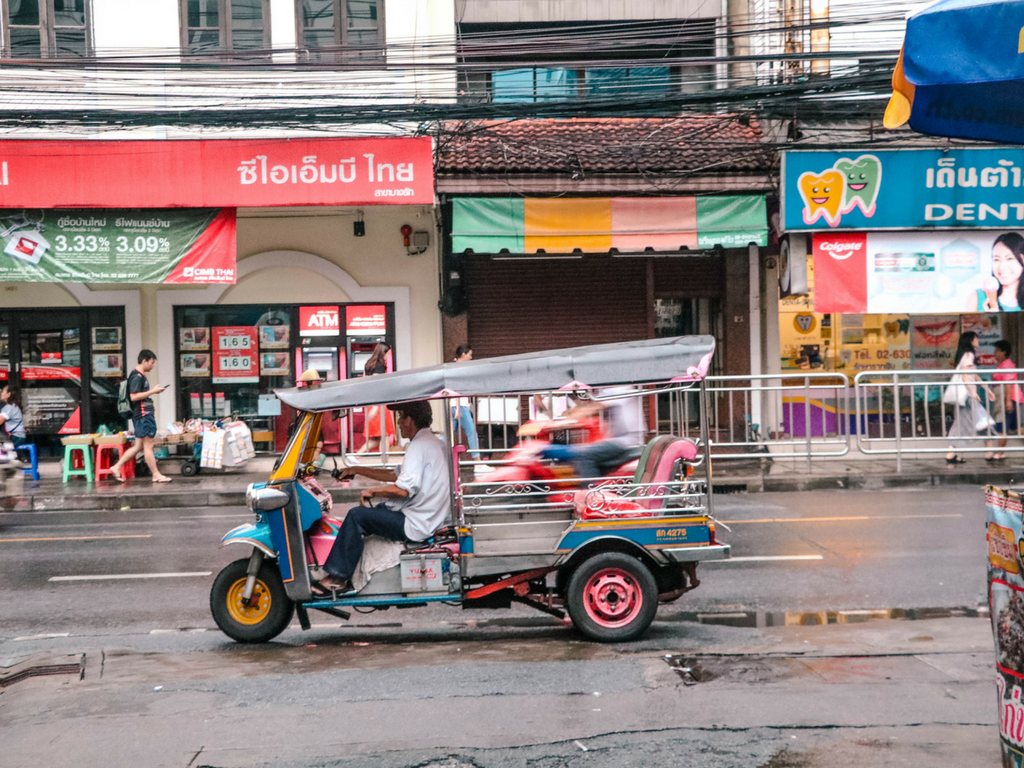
33,470
105,460
78,462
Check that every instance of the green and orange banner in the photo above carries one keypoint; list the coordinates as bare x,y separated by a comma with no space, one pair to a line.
601,224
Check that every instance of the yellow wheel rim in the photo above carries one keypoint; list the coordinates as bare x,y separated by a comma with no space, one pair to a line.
258,608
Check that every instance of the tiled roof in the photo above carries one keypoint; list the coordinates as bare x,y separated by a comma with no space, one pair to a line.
581,146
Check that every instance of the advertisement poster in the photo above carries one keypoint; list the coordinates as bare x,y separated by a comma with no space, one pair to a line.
365,320
51,411
51,373
275,337
234,355
194,339
989,332
933,341
919,272
274,364
195,366
903,189
106,339
107,365
171,246
1004,517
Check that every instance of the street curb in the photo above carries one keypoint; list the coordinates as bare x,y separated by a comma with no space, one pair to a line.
141,500
761,484
15,670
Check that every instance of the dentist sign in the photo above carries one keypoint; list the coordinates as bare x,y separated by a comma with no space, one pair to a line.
903,189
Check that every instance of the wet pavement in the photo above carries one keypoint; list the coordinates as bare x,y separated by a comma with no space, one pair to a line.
446,687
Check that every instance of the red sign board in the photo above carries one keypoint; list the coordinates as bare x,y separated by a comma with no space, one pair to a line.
840,272
50,373
366,320
319,321
222,173
234,355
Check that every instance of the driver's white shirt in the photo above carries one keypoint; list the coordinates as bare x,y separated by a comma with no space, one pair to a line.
424,476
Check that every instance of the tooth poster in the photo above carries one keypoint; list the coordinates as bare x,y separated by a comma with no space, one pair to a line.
903,189
919,272
176,245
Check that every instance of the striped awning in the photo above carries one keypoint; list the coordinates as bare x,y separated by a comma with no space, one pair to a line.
601,224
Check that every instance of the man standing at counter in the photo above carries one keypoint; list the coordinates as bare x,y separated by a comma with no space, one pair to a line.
416,499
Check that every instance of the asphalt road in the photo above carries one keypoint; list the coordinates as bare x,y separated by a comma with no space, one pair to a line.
442,688
877,550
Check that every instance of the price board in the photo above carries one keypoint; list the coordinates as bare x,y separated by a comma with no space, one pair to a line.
235,355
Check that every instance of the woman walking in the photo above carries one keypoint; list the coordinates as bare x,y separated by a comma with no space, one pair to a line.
962,393
12,421
376,365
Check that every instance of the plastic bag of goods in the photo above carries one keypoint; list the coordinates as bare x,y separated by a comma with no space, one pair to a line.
212,454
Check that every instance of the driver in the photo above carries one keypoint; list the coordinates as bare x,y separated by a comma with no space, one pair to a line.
416,499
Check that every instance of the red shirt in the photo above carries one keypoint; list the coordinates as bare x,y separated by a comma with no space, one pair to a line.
1016,395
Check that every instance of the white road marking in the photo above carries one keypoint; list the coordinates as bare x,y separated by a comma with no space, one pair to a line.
118,576
765,558
42,637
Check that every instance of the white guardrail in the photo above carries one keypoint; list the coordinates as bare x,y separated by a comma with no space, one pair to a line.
796,415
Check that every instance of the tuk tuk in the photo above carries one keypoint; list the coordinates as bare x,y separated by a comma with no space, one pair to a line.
606,550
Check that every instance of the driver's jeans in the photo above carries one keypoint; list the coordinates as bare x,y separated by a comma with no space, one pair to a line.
378,520
586,458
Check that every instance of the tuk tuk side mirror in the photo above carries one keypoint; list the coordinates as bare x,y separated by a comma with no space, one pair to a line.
265,499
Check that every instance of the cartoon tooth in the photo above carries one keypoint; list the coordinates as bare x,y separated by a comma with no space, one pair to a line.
863,178
823,196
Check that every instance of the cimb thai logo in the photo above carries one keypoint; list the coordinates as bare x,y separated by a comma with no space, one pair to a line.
197,273
841,250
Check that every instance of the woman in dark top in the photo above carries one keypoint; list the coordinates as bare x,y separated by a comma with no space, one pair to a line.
378,362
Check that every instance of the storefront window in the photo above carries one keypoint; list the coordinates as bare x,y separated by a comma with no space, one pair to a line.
231,358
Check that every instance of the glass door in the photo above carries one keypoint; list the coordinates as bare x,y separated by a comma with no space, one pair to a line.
44,359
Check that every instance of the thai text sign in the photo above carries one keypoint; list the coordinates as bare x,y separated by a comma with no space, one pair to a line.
918,272
234,355
365,320
215,173
118,246
903,189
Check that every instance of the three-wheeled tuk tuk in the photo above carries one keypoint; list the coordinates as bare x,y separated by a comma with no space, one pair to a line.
607,550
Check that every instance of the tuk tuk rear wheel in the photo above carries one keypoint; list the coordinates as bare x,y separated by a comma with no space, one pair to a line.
264,617
612,597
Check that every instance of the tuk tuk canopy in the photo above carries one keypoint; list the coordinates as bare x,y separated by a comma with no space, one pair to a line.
633,362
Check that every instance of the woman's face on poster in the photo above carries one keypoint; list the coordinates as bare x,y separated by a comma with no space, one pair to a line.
1005,265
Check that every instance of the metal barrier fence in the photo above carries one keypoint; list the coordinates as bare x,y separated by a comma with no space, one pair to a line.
906,412
799,415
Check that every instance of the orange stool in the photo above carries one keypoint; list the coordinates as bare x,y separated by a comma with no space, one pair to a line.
105,459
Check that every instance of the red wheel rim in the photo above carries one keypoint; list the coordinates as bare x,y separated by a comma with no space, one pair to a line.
612,598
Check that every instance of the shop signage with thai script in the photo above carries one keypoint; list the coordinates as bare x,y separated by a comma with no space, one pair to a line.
319,321
225,173
234,355
182,246
929,272
365,320
903,189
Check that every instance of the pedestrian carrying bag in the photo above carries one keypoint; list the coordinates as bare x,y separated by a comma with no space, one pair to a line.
956,393
124,400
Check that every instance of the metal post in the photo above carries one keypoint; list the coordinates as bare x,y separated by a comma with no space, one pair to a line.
383,435
898,419
706,440
807,419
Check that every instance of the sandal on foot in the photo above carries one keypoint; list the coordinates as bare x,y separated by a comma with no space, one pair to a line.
956,460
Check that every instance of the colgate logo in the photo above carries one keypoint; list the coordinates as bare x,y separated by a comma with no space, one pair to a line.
841,250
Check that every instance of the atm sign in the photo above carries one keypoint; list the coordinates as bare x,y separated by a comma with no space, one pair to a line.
319,321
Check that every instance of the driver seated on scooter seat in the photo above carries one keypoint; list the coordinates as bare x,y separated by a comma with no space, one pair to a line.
626,424
416,499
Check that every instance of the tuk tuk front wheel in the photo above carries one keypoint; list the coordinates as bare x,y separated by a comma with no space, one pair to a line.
612,597
264,616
